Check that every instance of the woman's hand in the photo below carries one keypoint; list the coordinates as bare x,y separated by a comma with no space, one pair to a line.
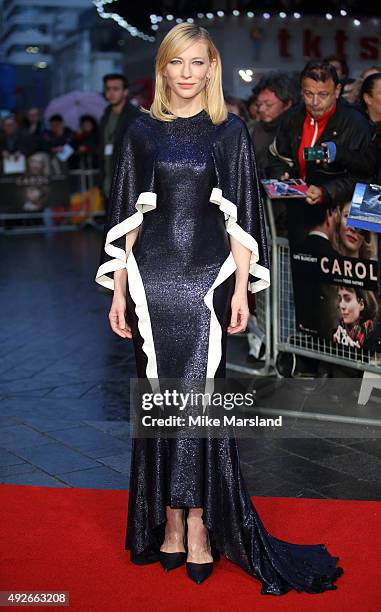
117,317
240,312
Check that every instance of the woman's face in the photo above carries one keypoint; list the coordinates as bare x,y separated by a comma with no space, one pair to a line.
350,237
373,100
350,307
187,73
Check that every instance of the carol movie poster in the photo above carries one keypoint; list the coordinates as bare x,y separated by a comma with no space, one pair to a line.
336,281
43,184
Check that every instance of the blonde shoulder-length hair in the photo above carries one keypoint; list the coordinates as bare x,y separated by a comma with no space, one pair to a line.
368,249
175,41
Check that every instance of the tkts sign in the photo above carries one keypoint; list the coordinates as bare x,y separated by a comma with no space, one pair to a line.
312,43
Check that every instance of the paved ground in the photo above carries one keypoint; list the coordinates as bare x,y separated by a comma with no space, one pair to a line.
64,389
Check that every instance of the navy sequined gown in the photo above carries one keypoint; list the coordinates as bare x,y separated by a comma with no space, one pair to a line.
189,184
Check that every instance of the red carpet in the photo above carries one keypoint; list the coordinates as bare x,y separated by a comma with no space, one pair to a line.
73,540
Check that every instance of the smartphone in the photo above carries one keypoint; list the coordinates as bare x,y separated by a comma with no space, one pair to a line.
315,153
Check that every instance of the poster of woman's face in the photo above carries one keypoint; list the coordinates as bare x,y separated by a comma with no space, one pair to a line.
350,305
351,242
357,308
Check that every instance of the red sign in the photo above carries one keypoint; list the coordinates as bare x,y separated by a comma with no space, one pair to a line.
311,44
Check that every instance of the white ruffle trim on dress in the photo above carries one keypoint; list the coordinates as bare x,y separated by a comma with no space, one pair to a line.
138,294
228,267
215,331
234,229
145,202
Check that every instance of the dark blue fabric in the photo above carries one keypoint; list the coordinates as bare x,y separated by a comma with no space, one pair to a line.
181,246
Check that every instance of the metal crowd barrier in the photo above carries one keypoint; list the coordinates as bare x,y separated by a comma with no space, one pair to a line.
72,218
285,336
275,313
289,340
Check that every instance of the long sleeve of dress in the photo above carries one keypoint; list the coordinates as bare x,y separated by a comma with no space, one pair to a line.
238,195
132,194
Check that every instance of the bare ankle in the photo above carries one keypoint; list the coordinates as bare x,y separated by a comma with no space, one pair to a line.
175,516
174,537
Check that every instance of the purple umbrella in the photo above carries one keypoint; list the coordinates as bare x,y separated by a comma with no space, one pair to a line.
74,104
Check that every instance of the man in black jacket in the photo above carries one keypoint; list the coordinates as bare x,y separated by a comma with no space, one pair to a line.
116,118
321,119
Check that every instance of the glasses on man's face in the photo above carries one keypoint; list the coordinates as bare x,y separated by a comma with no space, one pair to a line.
321,95
265,103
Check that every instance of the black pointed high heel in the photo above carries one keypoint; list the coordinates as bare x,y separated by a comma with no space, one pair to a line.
171,561
198,572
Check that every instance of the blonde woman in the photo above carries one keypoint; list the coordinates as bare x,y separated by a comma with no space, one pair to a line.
185,240
352,242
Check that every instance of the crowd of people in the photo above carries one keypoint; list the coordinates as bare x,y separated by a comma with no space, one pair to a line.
275,140
50,147
28,134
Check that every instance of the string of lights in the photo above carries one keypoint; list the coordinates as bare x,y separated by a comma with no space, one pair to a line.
156,20
132,30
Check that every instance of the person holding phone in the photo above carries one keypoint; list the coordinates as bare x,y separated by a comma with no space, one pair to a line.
328,143
323,121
